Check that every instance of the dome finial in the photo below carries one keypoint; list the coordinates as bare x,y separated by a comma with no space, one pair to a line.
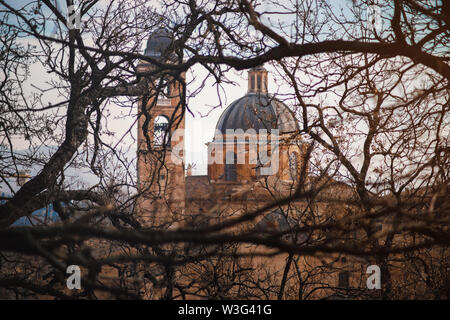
257,80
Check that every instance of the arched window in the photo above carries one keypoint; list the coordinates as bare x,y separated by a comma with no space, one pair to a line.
230,166
161,131
167,90
293,165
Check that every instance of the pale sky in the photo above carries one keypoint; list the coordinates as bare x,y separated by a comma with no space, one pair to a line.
199,128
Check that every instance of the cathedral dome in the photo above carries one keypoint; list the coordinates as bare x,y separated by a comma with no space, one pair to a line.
232,158
257,110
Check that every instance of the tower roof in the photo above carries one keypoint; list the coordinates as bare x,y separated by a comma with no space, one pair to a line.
257,111
158,43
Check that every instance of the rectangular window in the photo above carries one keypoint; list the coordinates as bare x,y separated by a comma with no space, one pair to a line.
230,166
259,82
230,172
252,83
343,279
378,227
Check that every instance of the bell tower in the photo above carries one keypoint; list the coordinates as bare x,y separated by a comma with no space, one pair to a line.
161,125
